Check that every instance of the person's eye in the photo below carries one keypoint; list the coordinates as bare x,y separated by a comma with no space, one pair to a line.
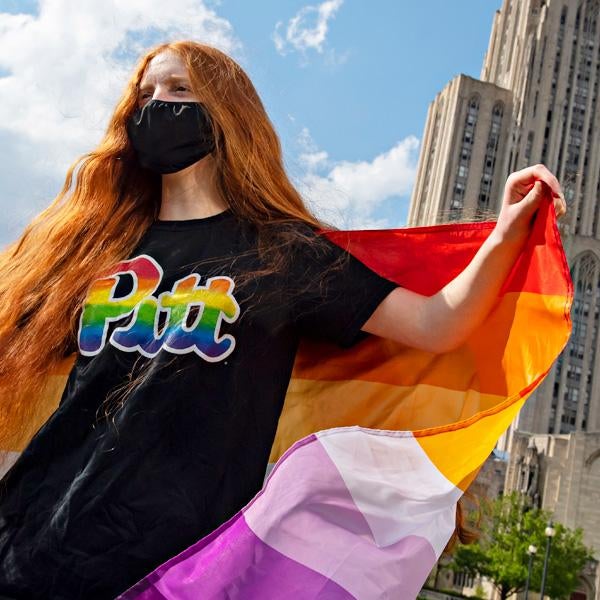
144,95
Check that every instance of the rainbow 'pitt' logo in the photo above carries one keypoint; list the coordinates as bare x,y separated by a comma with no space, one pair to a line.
214,300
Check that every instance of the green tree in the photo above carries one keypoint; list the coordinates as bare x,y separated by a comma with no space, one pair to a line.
507,529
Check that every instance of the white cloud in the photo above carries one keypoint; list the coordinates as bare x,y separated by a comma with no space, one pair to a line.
307,30
310,156
67,66
350,194
313,160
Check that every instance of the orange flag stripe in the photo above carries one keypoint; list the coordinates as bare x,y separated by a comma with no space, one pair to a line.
463,450
499,339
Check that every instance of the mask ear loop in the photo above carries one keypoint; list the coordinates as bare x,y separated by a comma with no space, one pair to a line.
205,114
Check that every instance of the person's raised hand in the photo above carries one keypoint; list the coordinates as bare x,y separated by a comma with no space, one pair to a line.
523,193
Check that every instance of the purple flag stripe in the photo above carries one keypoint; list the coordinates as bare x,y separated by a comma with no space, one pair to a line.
235,565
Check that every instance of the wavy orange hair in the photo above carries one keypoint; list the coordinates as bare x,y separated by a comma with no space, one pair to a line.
101,213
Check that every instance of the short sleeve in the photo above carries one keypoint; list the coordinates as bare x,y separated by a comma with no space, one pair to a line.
333,294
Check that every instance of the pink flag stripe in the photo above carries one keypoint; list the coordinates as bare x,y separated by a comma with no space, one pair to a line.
366,508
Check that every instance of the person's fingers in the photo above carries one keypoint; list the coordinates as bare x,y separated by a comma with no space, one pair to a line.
546,175
535,194
560,206
525,178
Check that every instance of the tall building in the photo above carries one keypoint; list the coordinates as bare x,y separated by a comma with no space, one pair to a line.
462,165
536,101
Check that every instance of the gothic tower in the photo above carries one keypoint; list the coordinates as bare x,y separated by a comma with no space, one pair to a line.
536,101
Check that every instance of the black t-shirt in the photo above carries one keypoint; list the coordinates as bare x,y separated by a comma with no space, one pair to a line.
95,502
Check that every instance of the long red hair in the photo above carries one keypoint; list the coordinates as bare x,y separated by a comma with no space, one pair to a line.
101,212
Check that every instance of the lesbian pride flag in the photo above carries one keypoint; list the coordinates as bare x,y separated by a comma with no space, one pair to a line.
377,443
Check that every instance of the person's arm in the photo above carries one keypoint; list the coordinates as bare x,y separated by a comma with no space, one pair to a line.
443,321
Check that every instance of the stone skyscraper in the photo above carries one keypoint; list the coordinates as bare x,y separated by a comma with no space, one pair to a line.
536,101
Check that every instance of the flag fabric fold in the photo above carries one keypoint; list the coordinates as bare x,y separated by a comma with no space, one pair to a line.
377,443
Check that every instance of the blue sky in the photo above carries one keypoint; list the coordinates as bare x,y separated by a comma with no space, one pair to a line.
347,84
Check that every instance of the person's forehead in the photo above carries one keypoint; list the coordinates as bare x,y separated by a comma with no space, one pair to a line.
164,66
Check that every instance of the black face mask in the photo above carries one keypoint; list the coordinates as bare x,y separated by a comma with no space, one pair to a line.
170,136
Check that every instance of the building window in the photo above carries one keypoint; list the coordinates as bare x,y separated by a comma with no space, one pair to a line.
462,172
462,579
485,185
571,387
529,145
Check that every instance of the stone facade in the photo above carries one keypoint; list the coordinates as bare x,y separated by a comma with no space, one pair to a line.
464,144
536,101
561,473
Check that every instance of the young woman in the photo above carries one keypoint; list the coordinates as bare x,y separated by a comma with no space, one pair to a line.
182,266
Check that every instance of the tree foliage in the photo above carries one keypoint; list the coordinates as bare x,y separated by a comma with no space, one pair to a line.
507,529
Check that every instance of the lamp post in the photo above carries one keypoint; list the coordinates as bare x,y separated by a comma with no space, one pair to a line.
549,533
531,551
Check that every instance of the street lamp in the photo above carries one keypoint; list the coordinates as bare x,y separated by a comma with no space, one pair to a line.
549,533
531,551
